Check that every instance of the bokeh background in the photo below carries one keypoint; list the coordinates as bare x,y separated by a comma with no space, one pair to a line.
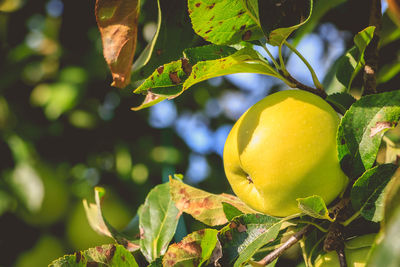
64,129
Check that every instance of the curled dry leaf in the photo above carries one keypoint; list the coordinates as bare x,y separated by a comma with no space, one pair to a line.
117,22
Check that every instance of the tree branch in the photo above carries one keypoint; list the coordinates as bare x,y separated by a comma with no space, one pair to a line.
304,87
371,52
285,246
342,257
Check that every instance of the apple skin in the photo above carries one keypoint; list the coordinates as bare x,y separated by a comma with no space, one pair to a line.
356,252
284,148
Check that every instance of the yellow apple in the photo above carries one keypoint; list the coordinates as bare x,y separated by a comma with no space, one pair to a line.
356,252
284,148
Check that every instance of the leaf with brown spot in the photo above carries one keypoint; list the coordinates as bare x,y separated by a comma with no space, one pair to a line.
214,20
204,206
358,139
117,21
107,255
194,249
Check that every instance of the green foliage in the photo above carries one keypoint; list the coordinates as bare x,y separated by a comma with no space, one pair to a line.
106,255
361,130
314,206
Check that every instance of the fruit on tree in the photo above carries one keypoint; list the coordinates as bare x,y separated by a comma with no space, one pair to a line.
284,148
356,252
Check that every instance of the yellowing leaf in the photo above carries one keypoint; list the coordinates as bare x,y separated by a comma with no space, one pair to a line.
204,206
117,22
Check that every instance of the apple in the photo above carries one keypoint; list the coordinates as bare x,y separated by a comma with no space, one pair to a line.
356,252
284,148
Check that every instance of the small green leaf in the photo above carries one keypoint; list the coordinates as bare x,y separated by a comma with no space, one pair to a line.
244,60
341,102
367,192
106,255
387,252
100,224
361,130
230,211
204,206
245,234
314,206
279,19
351,63
158,219
194,250
223,22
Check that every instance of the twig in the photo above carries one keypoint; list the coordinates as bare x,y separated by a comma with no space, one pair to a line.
304,87
285,246
371,52
342,257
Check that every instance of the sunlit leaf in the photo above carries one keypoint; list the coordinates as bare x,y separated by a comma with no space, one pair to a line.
280,18
246,60
361,130
204,206
351,63
117,21
158,219
106,255
194,250
367,192
100,224
245,234
314,206
207,52
391,199
223,22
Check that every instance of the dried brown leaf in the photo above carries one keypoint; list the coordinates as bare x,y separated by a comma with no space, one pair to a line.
117,21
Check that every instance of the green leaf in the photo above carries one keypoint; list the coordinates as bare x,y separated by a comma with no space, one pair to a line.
194,250
341,102
100,224
158,219
392,199
223,22
174,34
230,211
204,206
320,8
387,252
207,52
351,63
245,235
361,130
279,19
367,191
244,60
314,206
390,32
388,71
106,255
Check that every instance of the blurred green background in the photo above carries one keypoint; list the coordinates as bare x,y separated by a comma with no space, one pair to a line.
64,130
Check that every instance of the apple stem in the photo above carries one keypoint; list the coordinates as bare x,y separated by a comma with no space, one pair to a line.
285,246
342,257
296,84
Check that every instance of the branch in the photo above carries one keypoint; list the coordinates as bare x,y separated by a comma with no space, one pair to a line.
304,87
285,246
342,257
371,52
